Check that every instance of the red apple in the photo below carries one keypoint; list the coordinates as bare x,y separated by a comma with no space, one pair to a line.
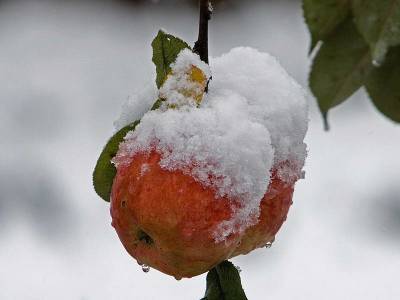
167,220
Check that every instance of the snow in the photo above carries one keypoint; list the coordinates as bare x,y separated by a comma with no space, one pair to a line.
144,169
253,119
179,88
275,99
136,106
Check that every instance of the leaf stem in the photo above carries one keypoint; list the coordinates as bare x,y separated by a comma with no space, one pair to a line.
201,46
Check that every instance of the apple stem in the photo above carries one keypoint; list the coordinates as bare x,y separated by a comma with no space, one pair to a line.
201,46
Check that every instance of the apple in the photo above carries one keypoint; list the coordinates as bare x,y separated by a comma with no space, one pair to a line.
199,182
167,220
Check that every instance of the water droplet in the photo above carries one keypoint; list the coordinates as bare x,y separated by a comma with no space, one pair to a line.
268,245
376,63
145,268
210,7
238,268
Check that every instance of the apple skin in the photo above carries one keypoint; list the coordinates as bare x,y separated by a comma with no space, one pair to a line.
166,219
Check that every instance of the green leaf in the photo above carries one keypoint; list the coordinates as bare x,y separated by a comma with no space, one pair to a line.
322,17
340,68
157,104
379,23
214,290
223,283
166,48
383,86
105,171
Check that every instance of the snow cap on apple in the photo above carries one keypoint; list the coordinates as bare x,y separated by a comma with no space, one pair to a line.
208,176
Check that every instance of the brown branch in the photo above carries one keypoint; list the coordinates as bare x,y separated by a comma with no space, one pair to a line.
201,46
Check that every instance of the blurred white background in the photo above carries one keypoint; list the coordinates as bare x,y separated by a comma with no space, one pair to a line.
65,69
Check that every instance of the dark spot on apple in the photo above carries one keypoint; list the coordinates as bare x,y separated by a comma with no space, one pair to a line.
144,237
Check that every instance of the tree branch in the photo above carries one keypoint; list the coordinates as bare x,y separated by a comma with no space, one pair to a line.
201,46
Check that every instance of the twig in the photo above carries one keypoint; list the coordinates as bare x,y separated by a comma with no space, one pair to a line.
201,46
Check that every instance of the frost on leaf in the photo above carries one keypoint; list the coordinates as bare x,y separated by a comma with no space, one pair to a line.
186,83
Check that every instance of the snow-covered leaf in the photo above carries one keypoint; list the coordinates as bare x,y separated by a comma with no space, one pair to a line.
379,23
105,171
223,282
166,48
340,67
383,86
322,17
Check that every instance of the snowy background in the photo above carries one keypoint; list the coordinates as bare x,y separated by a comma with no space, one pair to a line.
65,69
